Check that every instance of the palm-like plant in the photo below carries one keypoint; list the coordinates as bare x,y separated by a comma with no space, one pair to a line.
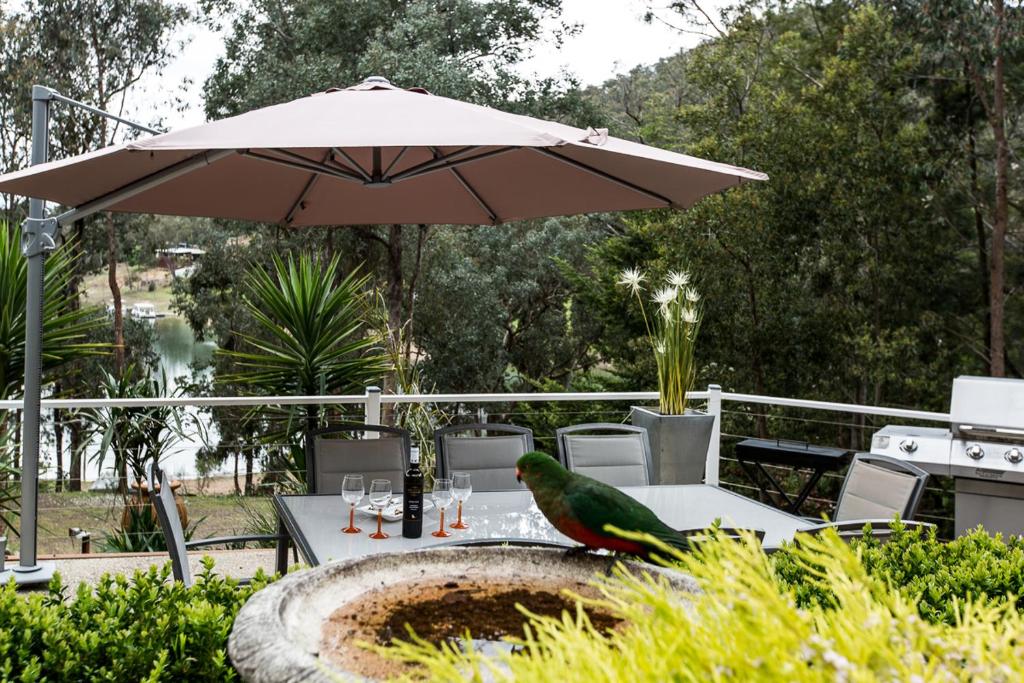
65,331
65,327
311,337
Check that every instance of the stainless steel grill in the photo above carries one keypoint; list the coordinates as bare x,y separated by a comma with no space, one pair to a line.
983,450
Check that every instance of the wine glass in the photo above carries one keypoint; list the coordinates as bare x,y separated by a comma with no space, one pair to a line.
462,487
380,496
352,492
442,496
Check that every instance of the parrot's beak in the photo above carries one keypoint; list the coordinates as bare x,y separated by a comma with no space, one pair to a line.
519,476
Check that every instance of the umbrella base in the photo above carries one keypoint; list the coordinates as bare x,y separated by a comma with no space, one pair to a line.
35,575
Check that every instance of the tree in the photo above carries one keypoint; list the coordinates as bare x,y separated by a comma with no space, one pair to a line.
496,310
464,49
98,51
978,42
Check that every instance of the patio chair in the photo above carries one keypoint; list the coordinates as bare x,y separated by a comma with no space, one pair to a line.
328,459
490,459
174,535
880,487
616,454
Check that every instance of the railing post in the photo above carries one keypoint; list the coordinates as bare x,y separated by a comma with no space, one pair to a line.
714,447
372,410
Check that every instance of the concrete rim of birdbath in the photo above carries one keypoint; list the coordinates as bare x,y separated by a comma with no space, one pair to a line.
277,633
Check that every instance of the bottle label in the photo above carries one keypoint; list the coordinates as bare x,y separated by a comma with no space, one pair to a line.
413,502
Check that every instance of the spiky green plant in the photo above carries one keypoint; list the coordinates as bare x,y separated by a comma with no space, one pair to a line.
65,327
313,339
745,626
672,333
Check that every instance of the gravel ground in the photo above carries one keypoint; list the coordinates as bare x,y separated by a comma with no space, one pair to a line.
234,563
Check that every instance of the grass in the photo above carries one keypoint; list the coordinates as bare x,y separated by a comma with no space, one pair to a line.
98,513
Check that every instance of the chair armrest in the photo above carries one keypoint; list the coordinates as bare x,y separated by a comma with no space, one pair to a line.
221,540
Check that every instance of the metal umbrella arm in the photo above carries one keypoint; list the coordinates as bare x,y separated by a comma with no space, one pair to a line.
39,237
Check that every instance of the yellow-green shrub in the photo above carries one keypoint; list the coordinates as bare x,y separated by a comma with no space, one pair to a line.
747,626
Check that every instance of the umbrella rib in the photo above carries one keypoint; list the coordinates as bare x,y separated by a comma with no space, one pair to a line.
471,190
430,163
355,165
604,175
322,165
311,167
313,177
398,157
447,162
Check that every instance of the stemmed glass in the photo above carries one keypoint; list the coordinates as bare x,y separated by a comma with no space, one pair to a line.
442,496
462,487
352,492
380,496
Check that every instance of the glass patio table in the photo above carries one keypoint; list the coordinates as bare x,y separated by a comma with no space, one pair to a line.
314,522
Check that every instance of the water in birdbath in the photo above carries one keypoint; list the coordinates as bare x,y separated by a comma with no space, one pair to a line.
443,611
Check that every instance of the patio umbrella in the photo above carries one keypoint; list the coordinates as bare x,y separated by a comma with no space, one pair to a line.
369,154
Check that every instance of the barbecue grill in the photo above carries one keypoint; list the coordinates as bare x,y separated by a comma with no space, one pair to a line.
983,450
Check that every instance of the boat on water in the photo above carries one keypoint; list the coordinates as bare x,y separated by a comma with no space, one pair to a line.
143,311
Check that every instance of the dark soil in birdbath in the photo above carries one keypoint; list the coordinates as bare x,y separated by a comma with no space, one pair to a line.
442,611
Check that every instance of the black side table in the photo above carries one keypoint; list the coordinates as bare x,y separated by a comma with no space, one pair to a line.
754,454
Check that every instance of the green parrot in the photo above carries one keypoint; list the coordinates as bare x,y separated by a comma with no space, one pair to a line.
580,507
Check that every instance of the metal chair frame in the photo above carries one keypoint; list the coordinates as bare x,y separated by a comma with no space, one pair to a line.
895,465
350,428
174,534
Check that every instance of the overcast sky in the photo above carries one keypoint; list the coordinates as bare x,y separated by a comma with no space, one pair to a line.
614,38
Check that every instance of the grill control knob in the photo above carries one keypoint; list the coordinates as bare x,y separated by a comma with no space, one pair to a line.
1014,455
908,446
975,452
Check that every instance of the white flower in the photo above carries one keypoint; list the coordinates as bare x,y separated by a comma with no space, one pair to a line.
692,295
689,315
678,278
665,296
631,277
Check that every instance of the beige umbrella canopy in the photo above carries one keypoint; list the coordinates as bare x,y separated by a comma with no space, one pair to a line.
372,153
375,153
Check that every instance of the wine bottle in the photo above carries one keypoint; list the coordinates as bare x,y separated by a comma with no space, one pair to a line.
412,499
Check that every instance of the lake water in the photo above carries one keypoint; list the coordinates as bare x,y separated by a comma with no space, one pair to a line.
177,350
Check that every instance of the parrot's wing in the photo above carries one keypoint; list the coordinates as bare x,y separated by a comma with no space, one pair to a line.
596,504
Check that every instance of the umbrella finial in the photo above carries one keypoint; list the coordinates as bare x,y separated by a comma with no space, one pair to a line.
377,80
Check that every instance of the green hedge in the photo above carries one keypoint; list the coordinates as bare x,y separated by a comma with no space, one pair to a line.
145,628
932,571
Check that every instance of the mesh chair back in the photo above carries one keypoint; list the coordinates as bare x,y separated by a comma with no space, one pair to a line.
490,460
383,458
618,455
880,487
162,496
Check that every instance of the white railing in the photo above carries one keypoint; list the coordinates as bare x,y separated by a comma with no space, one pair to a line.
373,399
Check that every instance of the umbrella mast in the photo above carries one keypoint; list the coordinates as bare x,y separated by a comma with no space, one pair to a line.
38,237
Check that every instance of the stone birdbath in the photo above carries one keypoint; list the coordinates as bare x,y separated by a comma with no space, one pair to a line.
305,627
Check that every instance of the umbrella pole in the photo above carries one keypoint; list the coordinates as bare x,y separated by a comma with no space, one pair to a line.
37,239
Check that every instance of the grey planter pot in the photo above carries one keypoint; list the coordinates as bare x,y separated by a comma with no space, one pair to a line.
679,444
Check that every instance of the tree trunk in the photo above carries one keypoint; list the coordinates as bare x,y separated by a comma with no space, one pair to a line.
996,261
979,228
58,439
115,292
248,473
238,490
396,288
75,472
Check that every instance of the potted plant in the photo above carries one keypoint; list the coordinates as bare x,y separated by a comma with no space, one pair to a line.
679,436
